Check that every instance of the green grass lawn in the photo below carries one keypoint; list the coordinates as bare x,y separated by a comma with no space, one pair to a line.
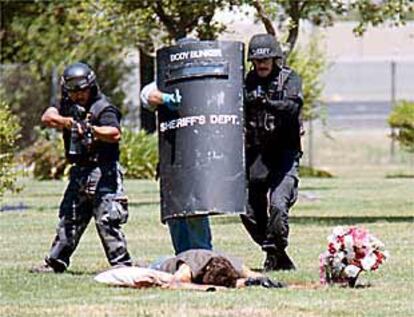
384,206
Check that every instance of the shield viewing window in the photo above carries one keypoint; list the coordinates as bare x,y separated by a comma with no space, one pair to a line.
196,71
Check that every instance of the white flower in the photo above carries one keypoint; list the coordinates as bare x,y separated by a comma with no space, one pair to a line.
349,243
338,231
368,261
352,271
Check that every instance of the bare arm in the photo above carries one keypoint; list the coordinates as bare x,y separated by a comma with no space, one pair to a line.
52,119
196,287
246,273
182,280
183,274
107,134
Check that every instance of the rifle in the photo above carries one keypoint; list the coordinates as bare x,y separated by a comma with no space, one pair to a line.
80,143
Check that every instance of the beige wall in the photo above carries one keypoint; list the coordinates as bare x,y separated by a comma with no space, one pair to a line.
380,43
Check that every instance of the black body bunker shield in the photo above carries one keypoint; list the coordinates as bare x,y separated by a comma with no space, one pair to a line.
201,144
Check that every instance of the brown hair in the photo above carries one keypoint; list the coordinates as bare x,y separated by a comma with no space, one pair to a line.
219,271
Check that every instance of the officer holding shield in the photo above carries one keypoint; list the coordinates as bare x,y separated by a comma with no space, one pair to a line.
186,233
273,102
199,99
91,134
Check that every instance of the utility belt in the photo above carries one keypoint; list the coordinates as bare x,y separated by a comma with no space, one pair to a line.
93,163
86,164
85,159
263,125
87,167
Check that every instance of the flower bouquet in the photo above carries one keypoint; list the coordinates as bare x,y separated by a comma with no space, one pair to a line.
351,250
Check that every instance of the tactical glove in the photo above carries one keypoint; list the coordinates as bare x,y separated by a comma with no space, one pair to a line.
263,281
257,96
286,105
172,101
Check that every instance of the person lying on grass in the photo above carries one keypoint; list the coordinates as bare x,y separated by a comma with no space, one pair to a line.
193,269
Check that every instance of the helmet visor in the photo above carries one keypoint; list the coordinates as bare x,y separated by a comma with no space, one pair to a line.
76,83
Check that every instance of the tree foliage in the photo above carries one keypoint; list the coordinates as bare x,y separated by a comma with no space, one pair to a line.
46,157
19,88
182,17
9,133
310,63
402,119
156,22
324,12
39,37
139,154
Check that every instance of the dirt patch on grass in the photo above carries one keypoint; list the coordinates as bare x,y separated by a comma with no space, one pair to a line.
305,285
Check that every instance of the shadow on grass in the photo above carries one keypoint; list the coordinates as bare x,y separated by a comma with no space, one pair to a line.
363,286
143,203
29,208
399,176
82,273
349,220
326,220
315,188
43,195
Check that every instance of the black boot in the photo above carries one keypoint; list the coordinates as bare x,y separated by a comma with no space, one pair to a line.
49,266
276,259
58,266
284,262
271,260
270,263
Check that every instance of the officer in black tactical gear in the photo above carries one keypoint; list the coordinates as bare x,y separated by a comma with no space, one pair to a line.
91,134
273,103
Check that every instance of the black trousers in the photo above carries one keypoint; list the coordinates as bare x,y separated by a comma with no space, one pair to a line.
269,201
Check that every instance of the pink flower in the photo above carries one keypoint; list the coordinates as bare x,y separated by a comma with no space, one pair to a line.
350,251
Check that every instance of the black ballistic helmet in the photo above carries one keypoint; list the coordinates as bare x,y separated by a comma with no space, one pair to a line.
264,46
78,76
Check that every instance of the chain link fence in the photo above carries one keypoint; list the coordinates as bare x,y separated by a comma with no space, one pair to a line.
359,97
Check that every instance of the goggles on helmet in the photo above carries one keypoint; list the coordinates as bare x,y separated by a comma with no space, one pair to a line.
78,82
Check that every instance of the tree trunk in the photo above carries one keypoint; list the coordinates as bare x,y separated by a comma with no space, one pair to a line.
148,118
